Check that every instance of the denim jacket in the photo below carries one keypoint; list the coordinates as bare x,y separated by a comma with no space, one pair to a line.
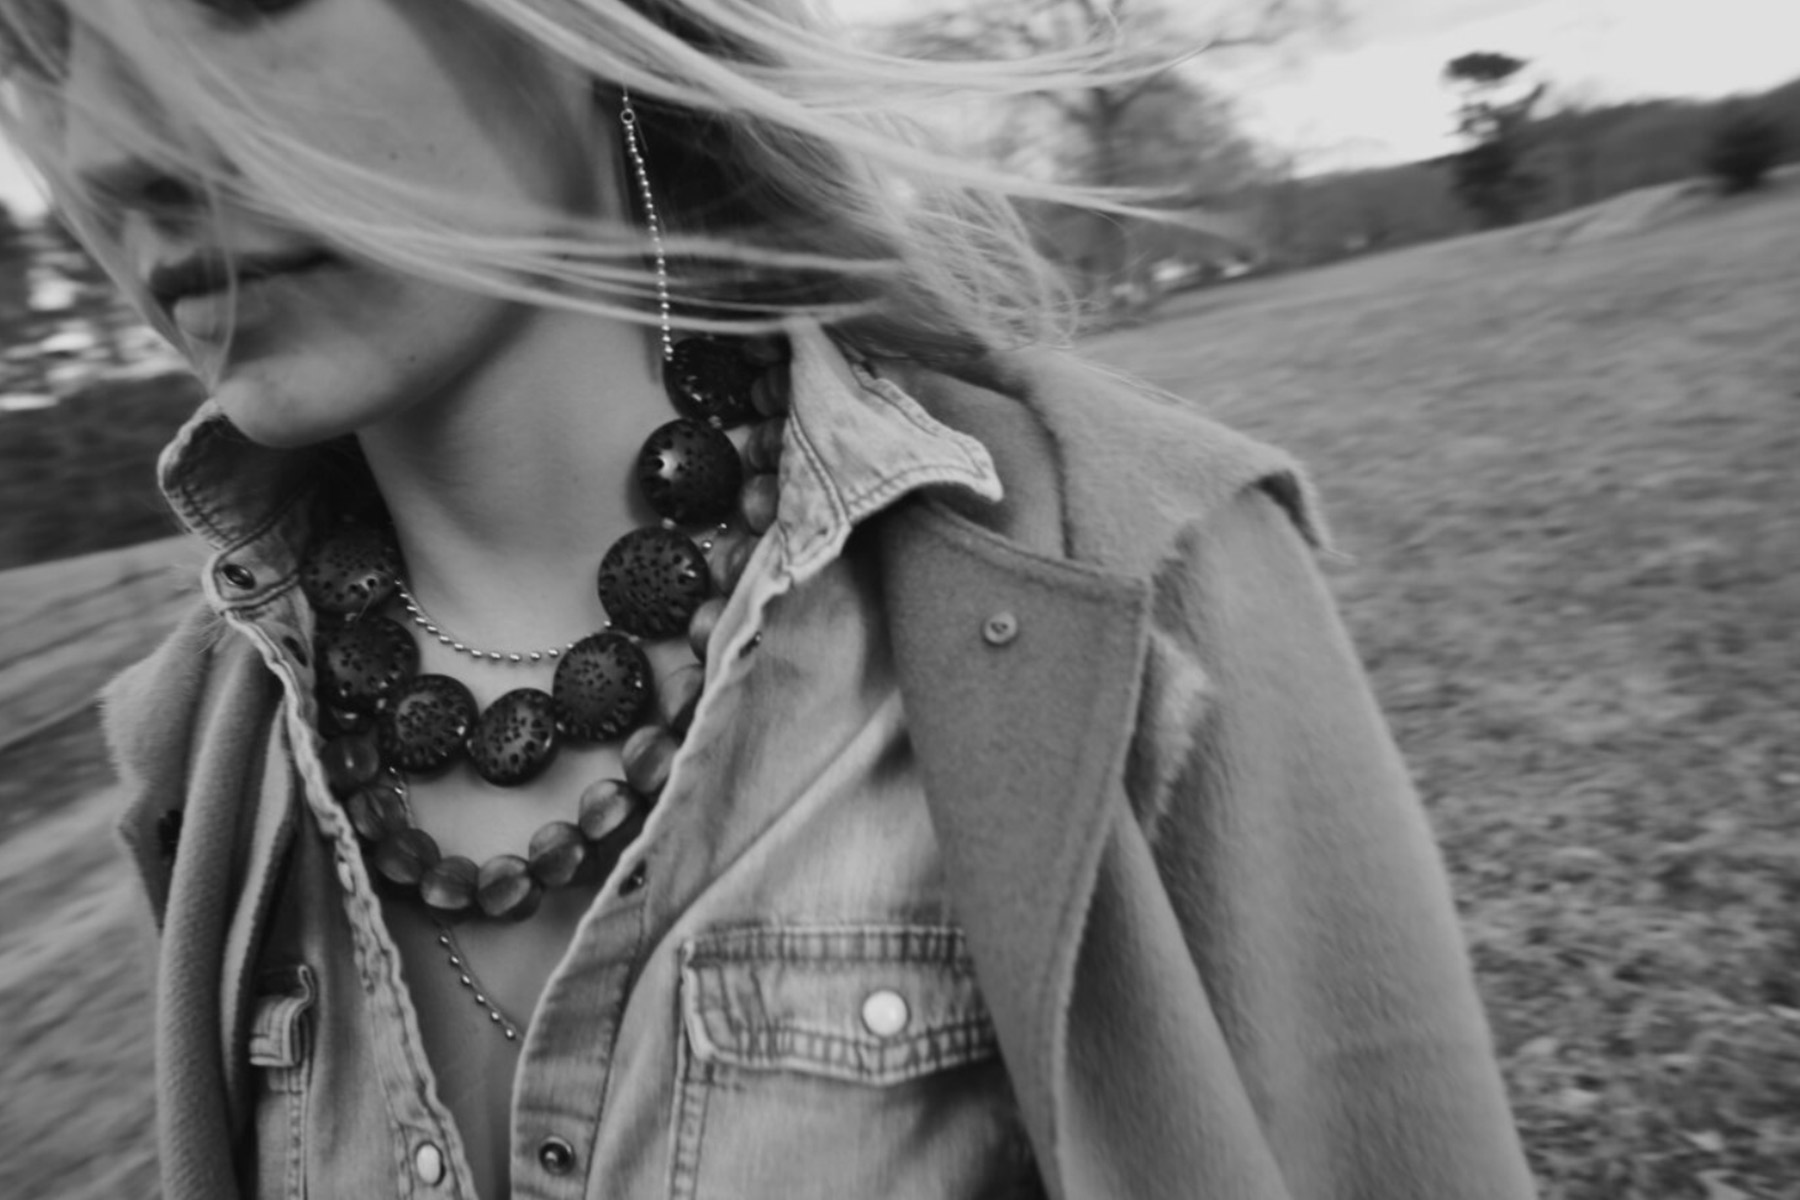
1198,901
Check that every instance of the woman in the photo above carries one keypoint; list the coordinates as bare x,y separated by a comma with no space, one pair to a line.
695,709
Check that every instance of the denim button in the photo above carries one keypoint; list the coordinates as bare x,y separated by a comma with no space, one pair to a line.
556,1156
238,576
428,1161
1000,629
884,1013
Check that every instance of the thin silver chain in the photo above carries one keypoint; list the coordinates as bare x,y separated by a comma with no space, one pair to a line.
628,118
454,955
416,612
465,974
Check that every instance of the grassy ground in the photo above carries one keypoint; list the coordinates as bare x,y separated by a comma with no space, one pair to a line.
1566,485
1569,487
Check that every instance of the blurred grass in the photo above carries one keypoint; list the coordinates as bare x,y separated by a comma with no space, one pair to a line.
1567,485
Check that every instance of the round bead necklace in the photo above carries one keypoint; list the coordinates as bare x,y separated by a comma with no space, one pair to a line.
383,720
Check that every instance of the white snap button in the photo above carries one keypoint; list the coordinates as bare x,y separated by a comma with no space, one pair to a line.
428,1161
885,1013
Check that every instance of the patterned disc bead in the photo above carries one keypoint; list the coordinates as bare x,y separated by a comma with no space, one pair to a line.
353,571
602,687
690,473
651,581
363,665
515,739
426,726
709,379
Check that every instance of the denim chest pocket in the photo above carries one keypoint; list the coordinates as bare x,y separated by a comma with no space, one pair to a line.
280,1053
837,1061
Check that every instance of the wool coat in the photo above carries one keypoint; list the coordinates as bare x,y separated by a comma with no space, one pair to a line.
1203,902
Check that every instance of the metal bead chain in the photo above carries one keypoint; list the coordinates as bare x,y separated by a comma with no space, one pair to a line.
416,612
465,974
628,118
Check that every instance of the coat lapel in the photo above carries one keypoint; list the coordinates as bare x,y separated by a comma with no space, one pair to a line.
1020,673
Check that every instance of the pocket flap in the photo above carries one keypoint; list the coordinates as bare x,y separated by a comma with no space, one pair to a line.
865,1004
278,1025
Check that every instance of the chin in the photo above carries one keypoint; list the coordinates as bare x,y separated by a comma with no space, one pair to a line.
282,418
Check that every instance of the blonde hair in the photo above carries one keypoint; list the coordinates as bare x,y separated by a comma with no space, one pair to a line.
787,177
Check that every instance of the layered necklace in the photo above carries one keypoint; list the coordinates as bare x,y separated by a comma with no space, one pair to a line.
384,722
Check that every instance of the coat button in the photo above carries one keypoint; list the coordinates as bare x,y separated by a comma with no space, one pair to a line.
428,1161
884,1013
556,1156
1000,629
238,576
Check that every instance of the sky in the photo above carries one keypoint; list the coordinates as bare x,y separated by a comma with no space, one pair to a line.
1371,94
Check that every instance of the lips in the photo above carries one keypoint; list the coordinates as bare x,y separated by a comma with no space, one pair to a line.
206,273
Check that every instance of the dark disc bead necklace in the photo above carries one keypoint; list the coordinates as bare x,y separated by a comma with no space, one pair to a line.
383,721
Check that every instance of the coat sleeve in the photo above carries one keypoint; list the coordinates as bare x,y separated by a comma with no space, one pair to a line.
1312,896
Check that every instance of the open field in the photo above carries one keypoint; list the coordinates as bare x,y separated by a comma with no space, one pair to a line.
1565,487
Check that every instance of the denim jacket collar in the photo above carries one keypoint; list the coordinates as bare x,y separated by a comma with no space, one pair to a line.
855,443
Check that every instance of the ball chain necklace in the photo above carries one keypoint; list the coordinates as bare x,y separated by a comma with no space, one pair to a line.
383,721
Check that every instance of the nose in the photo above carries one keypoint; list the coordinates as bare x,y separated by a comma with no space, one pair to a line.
117,138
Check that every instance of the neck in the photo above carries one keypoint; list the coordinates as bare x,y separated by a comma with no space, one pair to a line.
507,489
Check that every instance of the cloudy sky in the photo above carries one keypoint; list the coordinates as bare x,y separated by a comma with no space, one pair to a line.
1371,94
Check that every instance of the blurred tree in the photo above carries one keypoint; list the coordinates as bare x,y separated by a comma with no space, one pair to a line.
1163,131
1490,175
1745,145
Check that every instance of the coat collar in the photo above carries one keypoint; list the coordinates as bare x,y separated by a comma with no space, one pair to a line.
1042,699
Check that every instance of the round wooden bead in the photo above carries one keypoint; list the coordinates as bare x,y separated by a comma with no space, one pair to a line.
705,620
425,727
708,378
602,687
449,884
762,450
647,757
679,696
606,804
515,739
769,394
350,761
603,855
761,498
690,473
364,664
376,811
404,857
726,561
556,853
651,581
506,890
353,570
